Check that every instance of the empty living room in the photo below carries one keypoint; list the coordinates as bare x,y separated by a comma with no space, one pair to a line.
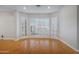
39,29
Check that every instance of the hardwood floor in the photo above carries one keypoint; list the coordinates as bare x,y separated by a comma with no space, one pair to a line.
35,46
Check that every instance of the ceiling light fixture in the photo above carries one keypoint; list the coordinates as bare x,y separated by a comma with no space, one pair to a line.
24,8
48,7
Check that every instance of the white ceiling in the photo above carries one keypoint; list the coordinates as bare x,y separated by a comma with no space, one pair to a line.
31,8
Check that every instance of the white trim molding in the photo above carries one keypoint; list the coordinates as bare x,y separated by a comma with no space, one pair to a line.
68,44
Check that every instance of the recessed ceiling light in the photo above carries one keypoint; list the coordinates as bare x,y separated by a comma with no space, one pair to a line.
48,7
24,8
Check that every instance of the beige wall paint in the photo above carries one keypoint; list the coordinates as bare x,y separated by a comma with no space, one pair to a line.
8,24
68,25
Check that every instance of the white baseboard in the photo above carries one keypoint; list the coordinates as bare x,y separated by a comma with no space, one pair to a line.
68,45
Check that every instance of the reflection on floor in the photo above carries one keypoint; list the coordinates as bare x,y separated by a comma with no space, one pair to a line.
34,46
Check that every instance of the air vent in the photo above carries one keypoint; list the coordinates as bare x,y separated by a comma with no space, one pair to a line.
38,5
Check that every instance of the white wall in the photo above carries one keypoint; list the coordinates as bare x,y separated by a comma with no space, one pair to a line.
7,24
78,26
68,25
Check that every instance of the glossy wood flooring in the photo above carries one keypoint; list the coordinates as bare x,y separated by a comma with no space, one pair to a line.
35,46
